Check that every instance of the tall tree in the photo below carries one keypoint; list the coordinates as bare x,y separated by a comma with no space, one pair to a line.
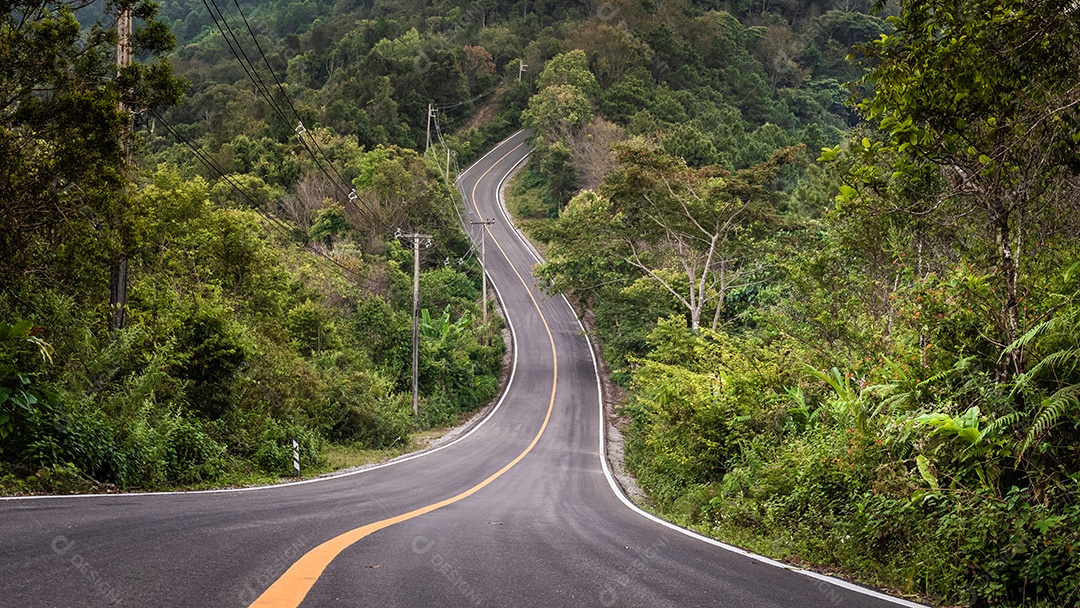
1004,134
686,230
62,178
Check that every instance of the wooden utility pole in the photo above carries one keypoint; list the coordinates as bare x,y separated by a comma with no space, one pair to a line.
416,239
483,264
118,273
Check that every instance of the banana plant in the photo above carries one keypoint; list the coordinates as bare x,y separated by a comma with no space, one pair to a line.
850,401
965,426
441,328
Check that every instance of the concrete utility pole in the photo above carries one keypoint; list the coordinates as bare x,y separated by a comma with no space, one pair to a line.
430,113
416,238
118,273
521,68
483,264
123,37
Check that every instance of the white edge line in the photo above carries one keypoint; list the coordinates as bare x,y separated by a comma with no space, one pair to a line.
506,217
489,153
633,507
398,460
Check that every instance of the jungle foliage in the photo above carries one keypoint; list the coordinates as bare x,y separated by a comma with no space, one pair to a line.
264,305
870,361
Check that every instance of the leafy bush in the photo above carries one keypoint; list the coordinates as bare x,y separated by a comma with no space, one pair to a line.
273,451
188,454
215,350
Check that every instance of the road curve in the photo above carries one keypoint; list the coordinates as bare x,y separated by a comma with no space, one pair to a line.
519,513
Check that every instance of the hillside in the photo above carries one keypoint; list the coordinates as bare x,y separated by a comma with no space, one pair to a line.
829,248
856,351
268,298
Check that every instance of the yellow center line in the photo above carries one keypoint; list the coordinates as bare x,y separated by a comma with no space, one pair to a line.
290,589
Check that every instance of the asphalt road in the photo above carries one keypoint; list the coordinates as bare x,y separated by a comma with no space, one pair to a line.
519,513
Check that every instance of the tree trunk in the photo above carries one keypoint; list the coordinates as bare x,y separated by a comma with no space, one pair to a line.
1013,361
720,296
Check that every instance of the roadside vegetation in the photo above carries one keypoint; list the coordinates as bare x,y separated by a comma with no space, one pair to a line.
850,334
263,304
831,250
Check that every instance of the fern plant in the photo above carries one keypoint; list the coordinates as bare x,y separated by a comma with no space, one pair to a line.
1054,380
909,393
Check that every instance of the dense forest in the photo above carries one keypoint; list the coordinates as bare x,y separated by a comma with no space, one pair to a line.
269,297
858,349
830,250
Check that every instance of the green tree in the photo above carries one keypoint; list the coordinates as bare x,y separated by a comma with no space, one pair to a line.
330,224
690,144
478,67
1004,136
684,229
557,112
571,68
62,179
398,189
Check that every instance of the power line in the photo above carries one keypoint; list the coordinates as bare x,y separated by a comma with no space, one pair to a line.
478,97
272,221
365,211
350,193
261,85
266,61
222,23
236,49
208,162
373,216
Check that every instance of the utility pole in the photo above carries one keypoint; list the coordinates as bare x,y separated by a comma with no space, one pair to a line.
521,68
430,113
118,273
416,238
483,264
123,37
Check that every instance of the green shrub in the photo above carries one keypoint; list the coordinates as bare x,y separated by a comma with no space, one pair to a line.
273,450
215,349
188,454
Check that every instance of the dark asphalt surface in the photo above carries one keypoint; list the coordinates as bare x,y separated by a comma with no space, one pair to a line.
548,532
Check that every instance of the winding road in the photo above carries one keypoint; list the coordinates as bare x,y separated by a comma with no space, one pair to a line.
520,512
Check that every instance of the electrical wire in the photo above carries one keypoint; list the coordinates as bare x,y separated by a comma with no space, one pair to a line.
210,163
272,221
237,49
215,168
475,98
371,215
348,192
